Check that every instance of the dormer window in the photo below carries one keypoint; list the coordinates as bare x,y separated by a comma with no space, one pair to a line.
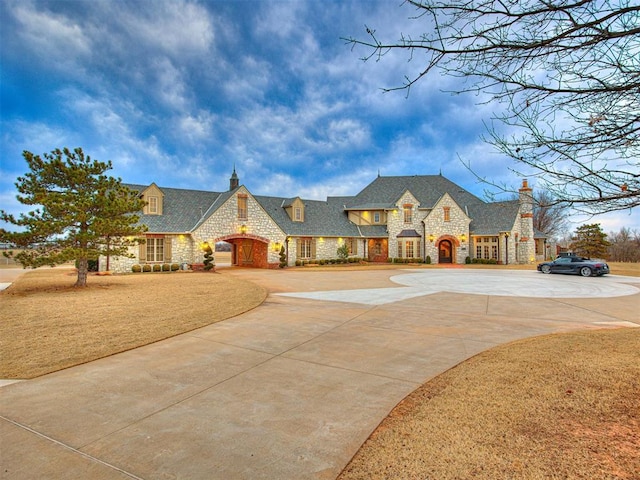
153,205
153,198
298,214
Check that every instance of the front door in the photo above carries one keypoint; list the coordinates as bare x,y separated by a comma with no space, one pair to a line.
246,252
445,252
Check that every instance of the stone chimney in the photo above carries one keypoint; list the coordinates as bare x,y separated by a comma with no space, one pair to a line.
526,245
234,181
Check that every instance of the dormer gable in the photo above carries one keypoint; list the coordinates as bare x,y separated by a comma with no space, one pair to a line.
295,209
154,199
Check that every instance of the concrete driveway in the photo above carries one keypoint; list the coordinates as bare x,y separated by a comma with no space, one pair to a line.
291,389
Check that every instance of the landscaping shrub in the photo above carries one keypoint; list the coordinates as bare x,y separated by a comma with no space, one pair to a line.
343,251
157,268
298,263
467,260
283,258
208,258
166,267
175,267
428,260
136,269
146,268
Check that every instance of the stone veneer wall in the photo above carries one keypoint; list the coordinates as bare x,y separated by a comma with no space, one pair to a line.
183,250
457,226
395,223
225,222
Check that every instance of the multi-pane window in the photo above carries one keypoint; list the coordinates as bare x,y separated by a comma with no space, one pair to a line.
408,213
155,249
486,251
298,214
494,251
447,214
153,205
305,248
242,207
478,251
409,249
376,217
399,249
377,248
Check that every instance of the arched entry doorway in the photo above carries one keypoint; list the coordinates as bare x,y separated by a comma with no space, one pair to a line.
248,250
445,252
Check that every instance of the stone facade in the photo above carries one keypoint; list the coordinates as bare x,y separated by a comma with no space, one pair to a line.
257,228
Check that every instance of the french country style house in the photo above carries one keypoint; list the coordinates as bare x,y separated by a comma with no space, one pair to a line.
405,217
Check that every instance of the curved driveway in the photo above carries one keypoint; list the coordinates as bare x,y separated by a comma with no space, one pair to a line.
292,388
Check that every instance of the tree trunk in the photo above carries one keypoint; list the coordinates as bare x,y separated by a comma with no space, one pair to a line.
83,269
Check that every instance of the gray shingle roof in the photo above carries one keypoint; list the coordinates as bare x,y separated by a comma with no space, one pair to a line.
320,218
493,218
182,209
428,189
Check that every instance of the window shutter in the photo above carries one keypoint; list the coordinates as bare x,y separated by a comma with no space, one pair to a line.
298,248
354,246
142,252
167,249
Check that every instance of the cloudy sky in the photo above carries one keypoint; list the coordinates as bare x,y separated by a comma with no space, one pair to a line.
178,92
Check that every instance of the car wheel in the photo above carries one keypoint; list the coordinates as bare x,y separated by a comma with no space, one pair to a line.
586,272
545,269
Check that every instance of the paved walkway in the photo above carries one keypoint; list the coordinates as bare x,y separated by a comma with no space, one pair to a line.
291,389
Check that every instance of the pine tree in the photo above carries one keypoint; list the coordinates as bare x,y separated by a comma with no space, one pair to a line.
590,241
82,213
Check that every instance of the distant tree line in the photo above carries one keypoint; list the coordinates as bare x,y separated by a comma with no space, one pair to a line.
624,246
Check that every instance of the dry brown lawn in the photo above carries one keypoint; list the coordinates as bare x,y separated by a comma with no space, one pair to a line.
560,406
46,324
555,407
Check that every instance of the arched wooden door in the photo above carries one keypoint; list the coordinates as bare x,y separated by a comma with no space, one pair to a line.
445,252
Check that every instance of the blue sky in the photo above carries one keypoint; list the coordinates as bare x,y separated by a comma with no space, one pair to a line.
178,92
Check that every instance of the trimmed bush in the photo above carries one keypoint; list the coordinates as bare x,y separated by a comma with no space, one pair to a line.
298,263
166,267
175,267
157,268
146,267
467,260
136,269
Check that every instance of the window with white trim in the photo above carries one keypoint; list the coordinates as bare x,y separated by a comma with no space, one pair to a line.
152,208
155,249
305,248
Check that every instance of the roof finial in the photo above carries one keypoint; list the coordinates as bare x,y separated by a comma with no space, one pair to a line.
378,173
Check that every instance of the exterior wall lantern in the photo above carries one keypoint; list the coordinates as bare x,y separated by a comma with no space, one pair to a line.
432,237
463,238
277,246
243,229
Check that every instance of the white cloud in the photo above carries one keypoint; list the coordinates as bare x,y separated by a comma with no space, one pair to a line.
50,36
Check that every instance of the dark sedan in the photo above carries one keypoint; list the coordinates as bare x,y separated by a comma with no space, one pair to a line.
575,265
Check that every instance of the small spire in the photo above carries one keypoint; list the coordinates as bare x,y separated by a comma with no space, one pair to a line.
234,181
